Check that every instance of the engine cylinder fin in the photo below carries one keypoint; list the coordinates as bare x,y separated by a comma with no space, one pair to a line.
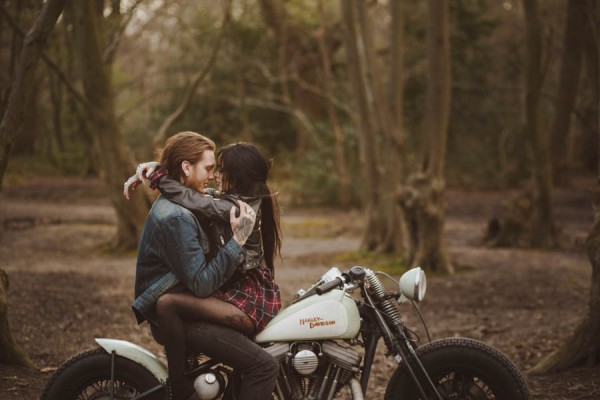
345,357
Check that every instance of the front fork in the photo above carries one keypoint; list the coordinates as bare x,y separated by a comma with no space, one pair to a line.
399,345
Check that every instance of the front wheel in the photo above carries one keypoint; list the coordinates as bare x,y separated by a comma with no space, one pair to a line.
87,376
462,369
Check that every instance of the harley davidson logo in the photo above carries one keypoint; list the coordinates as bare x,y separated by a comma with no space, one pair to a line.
315,322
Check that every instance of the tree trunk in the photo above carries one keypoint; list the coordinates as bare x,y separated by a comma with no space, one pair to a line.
568,86
115,160
537,228
543,232
12,121
423,198
366,131
340,153
583,347
23,86
10,352
393,148
377,134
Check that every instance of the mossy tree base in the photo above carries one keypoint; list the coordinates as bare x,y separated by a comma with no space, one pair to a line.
10,352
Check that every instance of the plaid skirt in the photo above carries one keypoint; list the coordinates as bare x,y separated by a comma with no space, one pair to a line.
256,294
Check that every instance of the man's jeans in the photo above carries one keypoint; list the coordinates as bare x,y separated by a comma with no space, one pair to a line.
259,369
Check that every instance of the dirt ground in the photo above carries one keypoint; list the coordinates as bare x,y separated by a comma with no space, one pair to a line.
66,287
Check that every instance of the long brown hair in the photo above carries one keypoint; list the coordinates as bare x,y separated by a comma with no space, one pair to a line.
246,170
184,146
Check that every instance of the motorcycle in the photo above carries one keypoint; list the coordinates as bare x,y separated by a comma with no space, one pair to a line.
325,341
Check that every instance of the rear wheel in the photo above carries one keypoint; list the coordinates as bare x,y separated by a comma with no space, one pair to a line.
86,376
462,369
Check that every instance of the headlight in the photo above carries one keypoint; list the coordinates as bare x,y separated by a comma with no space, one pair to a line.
413,284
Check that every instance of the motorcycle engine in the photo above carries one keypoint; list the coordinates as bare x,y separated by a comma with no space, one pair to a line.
308,368
305,361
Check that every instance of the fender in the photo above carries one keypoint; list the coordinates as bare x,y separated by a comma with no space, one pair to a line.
136,354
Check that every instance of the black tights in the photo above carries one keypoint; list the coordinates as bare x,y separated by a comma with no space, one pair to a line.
174,309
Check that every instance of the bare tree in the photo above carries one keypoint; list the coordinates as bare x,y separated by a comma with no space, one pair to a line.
115,160
12,120
583,347
377,132
528,219
23,86
423,197
570,72
543,231
163,131
340,153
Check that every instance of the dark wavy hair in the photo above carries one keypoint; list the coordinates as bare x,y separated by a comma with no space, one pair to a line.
245,172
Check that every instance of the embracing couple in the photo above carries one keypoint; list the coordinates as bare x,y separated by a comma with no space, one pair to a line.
204,275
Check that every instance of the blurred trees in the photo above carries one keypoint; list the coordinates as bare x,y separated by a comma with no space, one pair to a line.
14,112
379,137
423,197
283,80
543,231
582,347
95,60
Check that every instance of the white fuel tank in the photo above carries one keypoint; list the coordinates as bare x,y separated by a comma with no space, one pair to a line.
333,315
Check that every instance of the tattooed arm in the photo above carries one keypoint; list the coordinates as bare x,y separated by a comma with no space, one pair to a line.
242,225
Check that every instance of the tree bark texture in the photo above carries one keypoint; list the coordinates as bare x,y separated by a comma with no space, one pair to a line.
23,86
543,232
384,224
570,72
583,347
116,161
423,197
10,352
366,133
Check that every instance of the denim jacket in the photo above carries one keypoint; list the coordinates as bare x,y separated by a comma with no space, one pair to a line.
173,250
212,209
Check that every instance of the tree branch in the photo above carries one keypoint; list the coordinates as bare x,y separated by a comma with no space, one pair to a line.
170,120
51,64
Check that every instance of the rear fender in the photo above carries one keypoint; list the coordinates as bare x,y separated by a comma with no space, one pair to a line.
136,354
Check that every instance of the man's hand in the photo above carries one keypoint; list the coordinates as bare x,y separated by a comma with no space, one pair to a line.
142,173
242,225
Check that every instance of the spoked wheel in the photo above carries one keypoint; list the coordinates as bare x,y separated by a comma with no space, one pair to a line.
462,369
87,376
463,386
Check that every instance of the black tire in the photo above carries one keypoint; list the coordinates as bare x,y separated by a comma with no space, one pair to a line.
87,376
463,369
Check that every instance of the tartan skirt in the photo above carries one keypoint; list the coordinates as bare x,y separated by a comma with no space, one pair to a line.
256,294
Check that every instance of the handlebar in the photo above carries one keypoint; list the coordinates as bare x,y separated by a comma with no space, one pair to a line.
352,275
329,286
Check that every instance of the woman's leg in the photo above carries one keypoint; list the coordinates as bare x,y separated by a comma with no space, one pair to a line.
174,308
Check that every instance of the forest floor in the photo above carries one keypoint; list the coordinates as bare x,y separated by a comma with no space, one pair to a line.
66,287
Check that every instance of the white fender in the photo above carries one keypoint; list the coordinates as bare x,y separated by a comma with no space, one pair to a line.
136,354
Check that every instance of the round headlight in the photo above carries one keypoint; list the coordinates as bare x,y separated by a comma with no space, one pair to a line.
413,284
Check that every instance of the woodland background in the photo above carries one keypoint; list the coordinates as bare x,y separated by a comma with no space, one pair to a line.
375,108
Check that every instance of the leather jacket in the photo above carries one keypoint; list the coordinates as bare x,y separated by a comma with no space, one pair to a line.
213,211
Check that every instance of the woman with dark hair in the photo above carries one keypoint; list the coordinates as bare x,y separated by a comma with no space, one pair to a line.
241,174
